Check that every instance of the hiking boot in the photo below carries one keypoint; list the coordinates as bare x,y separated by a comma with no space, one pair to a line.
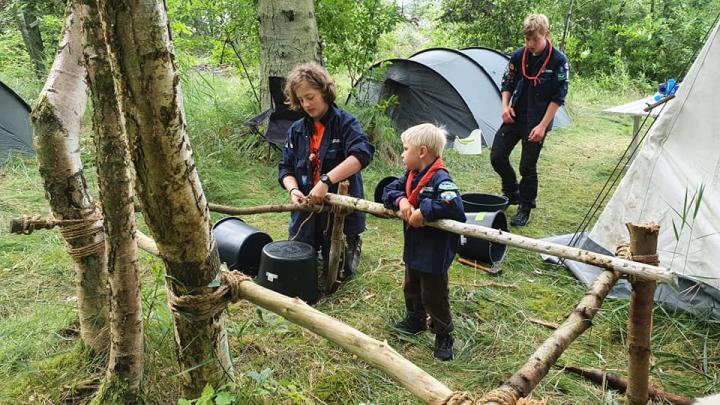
513,199
410,325
521,218
444,347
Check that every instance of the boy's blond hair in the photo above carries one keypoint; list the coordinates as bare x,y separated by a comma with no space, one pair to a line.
314,76
431,136
536,23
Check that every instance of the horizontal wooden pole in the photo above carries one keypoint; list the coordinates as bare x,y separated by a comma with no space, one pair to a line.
640,270
262,209
378,354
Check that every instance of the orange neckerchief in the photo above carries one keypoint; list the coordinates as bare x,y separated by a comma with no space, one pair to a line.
314,157
536,79
413,195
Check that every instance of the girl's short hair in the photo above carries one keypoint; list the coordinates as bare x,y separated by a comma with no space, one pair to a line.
313,75
536,23
431,136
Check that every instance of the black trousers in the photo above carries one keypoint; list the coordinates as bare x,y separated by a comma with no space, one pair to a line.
505,141
425,294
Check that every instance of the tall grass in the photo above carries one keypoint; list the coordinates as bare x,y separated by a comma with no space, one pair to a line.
278,362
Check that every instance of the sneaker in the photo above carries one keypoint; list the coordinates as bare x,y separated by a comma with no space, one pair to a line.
410,325
444,347
521,218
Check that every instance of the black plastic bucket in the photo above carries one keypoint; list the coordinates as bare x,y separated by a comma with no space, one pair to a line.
290,268
481,250
479,202
380,188
239,244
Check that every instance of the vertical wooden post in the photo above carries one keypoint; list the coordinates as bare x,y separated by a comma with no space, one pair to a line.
337,242
643,248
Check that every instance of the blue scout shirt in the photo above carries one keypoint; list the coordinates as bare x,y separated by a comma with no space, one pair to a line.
427,249
343,137
553,83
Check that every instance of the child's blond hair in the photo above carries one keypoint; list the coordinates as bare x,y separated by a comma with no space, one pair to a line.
431,136
536,23
314,76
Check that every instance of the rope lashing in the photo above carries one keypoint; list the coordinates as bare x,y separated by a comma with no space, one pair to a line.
199,307
623,251
501,396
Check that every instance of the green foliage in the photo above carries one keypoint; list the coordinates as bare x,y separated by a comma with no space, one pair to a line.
224,30
351,31
653,39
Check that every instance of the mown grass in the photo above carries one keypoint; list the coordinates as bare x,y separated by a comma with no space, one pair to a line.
41,360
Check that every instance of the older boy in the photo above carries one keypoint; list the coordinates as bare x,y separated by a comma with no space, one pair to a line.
426,193
533,88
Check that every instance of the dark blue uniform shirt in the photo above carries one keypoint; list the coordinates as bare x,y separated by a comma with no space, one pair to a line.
343,137
553,84
427,249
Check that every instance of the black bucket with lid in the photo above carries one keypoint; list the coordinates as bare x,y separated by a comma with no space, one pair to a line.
479,202
380,188
239,244
481,250
290,268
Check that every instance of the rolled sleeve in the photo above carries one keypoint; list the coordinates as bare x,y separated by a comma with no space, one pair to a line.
563,79
393,192
358,144
286,167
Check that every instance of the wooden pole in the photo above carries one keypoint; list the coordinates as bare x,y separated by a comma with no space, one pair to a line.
337,243
643,246
527,378
262,209
641,270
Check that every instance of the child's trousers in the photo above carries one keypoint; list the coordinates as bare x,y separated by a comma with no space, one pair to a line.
427,294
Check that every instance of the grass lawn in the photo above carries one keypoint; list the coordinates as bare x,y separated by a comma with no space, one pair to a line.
278,362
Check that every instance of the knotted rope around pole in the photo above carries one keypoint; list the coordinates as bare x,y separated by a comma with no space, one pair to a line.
70,229
623,251
200,307
502,396
458,398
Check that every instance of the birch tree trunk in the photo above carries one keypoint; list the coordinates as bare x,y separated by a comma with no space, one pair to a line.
29,27
288,36
174,206
125,366
56,127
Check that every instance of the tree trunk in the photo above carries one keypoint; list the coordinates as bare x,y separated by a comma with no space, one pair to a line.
643,247
29,26
56,125
125,366
288,36
173,203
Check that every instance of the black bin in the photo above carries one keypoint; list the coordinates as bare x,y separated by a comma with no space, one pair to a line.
290,268
380,188
482,250
239,244
479,202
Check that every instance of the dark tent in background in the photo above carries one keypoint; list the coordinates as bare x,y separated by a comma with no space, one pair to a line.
15,132
459,89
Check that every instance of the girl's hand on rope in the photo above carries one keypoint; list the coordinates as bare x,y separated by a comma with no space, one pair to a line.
317,194
296,196
406,209
416,219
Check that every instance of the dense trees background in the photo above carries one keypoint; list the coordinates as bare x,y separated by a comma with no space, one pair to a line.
648,40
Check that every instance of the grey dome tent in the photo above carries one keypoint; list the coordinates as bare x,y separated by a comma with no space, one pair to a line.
459,89
15,132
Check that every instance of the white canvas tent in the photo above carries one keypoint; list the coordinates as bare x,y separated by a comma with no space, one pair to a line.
681,154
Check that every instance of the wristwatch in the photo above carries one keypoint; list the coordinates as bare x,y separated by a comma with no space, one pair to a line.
326,179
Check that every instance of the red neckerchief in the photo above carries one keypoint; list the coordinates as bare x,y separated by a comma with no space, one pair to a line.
413,195
536,79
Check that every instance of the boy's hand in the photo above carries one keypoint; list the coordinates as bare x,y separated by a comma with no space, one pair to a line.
537,134
508,115
318,193
406,209
416,219
296,196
